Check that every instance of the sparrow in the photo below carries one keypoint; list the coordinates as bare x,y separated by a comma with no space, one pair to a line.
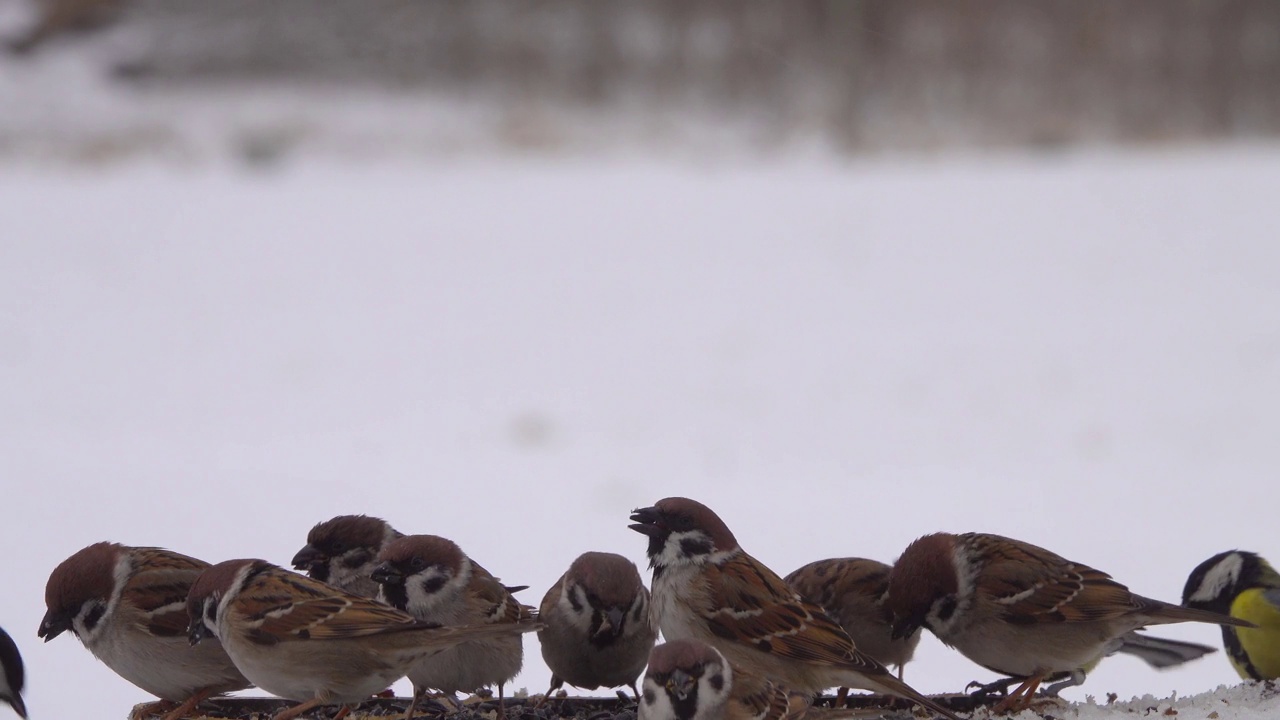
342,551
852,591
690,680
598,630
303,640
707,588
434,581
1242,585
1018,609
126,604
11,674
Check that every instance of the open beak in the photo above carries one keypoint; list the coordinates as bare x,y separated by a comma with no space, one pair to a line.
53,625
647,521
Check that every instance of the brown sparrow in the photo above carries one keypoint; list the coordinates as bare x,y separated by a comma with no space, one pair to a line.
11,674
598,631
706,588
690,680
303,640
1018,609
126,604
852,591
342,552
433,580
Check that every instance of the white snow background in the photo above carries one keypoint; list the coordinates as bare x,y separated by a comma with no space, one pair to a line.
1080,351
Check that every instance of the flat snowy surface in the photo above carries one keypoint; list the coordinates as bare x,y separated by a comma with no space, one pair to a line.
1080,350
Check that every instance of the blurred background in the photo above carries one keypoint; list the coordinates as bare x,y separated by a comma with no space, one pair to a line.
848,272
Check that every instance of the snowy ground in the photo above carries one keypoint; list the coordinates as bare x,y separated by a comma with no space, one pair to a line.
1079,350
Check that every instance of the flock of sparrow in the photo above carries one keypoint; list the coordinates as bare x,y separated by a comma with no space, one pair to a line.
741,643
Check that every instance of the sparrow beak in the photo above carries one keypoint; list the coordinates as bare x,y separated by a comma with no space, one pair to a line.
53,625
197,631
904,627
610,624
680,684
385,574
648,521
309,558
18,706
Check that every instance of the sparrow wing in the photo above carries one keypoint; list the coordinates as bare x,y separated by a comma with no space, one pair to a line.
158,589
1035,585
756,698
284,605
754,606
497,602
845,587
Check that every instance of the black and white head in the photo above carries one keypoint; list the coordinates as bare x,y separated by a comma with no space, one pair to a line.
1215,583
84,590
683,532
418,573
11,674
342,551
603,594
211,593
686,680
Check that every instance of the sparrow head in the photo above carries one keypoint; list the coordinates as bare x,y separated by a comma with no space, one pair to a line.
342,546
83,589
210,592
682,532
685,679
11,674
419,571
1215,583
603,592
924,586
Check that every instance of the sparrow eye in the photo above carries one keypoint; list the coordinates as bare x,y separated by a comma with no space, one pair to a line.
337,547
417,563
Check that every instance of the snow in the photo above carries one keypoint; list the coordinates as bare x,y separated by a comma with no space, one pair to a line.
1080,350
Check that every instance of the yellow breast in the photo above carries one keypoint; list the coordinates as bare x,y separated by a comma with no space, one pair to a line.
1261,645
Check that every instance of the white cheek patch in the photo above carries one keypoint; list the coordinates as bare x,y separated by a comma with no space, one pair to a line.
689,547
1220,577
581,614
654,703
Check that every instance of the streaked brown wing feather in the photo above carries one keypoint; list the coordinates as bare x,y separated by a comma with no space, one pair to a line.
1036,585
778,620
290,605
159,586
500,605
760,699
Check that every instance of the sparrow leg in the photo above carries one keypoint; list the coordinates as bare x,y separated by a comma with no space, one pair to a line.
413,702
296,710
1021,698
842,697
188,705
150,708
502,704
1000,687
1075,678
345,711
635,693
